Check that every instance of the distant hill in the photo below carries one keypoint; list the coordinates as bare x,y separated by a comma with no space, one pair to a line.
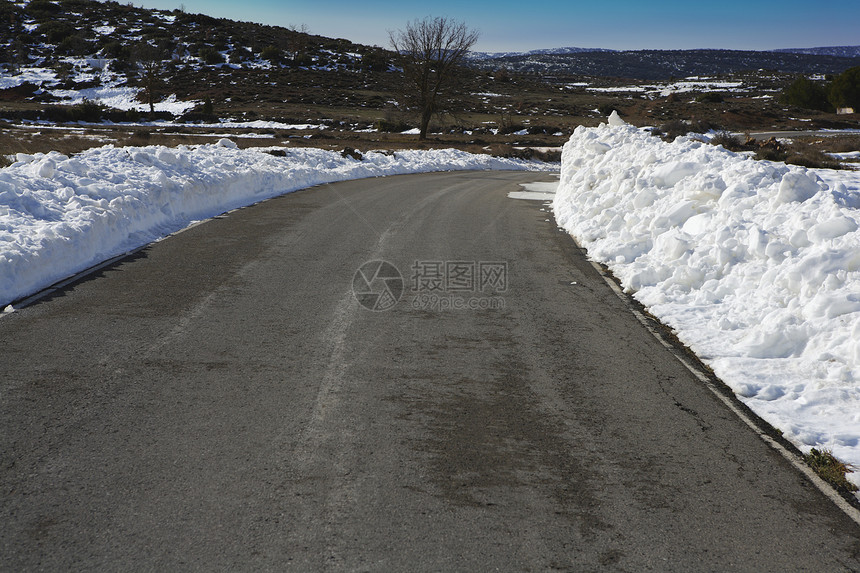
841,51
91,36
666,64
542,52
73,51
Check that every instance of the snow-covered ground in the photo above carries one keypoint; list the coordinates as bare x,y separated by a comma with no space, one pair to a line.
225,124
693,84
61,215
756,265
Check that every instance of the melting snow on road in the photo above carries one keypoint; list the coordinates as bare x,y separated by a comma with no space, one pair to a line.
756,265
61,215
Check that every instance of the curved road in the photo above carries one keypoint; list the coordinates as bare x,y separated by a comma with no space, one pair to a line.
221,401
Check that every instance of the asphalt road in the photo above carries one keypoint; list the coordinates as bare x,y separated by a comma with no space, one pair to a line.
809,133
222,401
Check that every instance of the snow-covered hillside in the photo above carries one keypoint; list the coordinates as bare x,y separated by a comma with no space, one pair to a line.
756,265
108,53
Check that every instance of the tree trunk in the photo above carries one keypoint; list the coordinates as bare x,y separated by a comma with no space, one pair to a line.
149,87
426,114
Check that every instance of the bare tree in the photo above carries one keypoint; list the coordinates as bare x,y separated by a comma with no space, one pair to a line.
149,60
431,49
298,44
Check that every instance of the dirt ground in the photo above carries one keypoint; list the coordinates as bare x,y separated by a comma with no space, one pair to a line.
363,112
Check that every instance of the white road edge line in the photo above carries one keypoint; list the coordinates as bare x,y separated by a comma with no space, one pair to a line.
792,458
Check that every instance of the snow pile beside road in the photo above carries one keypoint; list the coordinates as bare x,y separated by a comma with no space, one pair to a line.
61,215
756,265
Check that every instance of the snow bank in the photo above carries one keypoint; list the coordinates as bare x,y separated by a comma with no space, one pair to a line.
60,215
755,264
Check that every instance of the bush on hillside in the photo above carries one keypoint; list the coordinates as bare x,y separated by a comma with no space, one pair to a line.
677,128
807,94
845,90
711,97
374,61
272,54
43,10
55,31
210,56
391,126
606,109
74,46
729,142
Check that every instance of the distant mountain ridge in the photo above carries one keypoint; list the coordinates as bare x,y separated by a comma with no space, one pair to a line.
841,51
666,64
544,51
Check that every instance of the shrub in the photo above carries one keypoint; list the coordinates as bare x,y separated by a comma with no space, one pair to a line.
239,55
509,128
540,129
672,129
87,110
75,4
302,60
830,469
807,94
606,109
271,53
391,125
766,153
812,158
43,10
711,97
350,152
844,143
115,49
845,90
74,46
676,128
55,31
728,141
210,56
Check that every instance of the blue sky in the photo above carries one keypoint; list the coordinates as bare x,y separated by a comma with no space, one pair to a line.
523,25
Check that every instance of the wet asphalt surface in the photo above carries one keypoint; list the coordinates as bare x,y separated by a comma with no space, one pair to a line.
222,400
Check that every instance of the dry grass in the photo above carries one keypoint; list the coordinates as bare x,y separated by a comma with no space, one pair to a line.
840,143
830,469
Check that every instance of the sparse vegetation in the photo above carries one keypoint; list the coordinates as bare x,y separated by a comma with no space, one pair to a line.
671,130
845,90
808,157
711,97
272,54
211,56
729,142
350,87
842,92
606,109
807,94
830,469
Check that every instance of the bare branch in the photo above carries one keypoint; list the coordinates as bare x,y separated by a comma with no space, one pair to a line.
431,50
